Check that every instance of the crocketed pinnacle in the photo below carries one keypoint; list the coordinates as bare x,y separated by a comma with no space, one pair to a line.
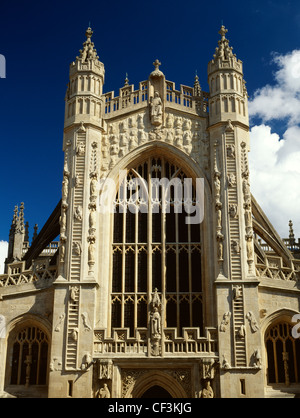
89,51
18,220
223,51
197,87
291,233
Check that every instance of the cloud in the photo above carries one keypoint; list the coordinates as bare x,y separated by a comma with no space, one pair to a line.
275,177
275,161
282,100
3,254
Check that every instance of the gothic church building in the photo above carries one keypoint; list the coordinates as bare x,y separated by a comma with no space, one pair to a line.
133,300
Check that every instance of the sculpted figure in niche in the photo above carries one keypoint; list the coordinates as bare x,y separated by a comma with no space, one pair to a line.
155,322
103,392
237,292
78,213
246,191
233,211
93,186
92,218
225,321
252,321
156,109
207,391
249,247
65,188
220,238
257,359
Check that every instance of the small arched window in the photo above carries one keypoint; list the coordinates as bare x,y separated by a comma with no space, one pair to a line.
29,357
283,354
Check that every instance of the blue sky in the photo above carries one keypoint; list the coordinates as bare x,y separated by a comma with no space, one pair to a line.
39,40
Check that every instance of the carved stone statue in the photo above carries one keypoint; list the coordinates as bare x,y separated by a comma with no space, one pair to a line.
103,392
257,358
156,109
93,186
220,238
246,191
225,321
65,189
155,323
78,213
252,321
237,292
207,391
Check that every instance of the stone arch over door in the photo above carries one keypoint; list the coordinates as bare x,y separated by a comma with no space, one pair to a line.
156,378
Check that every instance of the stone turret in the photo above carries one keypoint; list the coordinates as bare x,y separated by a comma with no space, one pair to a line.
236,281
78,268
83,96
228,94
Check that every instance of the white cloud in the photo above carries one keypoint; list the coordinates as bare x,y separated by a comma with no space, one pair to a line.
281,100
274,161
275,178
3,254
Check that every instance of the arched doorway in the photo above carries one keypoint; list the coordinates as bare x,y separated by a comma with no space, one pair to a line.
156,384
156,392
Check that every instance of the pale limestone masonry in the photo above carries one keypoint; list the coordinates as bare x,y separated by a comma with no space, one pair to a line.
129,303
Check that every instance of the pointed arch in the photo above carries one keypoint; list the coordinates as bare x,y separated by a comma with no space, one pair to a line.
156,378
282,350
28,344
129,163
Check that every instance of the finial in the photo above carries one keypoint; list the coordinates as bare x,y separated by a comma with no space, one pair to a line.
126,80
223,51
156,64
156,72
223,32
89,33
291,233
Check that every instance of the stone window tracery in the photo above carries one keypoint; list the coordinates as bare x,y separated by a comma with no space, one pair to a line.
283,354
29,357
155,250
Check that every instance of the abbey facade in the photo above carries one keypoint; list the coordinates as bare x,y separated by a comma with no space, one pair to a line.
167,279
